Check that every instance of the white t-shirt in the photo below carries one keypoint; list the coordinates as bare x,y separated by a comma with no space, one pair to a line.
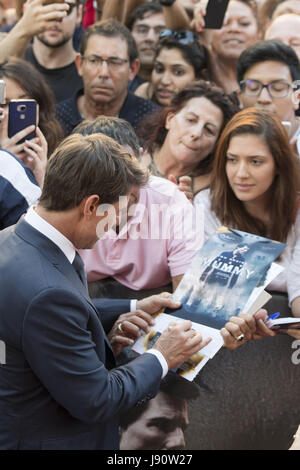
289,280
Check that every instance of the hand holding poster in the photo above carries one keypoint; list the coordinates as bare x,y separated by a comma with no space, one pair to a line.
218,285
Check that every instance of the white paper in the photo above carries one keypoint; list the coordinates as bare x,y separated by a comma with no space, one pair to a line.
274,270
162,322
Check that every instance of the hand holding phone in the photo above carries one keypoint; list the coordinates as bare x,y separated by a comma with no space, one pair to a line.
215,14
22,114
209,14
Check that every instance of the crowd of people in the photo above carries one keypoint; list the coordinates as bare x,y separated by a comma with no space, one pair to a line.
149,124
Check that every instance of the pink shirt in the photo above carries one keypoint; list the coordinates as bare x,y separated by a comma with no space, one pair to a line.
158,242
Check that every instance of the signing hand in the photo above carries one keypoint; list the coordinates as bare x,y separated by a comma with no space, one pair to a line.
179,342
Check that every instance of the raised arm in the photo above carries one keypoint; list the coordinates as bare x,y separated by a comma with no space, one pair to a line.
34,20
176,16
119,10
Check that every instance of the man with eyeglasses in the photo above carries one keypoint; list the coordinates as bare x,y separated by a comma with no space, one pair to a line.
107,62
53,55
145,24
267,73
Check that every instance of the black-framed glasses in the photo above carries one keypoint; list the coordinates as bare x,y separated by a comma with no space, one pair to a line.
183,37
276,89
95,61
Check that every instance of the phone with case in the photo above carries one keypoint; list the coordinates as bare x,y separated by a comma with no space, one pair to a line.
215,13
22,114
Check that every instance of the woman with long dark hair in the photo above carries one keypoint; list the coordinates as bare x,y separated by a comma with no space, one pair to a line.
179,60
255,188
23,81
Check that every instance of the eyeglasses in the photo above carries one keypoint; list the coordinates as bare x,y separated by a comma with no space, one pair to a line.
183,37
276,89
71,8
95,61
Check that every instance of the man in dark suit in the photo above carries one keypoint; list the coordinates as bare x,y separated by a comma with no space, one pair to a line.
59,385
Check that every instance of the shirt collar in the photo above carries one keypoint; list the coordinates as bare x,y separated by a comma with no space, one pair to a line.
40,224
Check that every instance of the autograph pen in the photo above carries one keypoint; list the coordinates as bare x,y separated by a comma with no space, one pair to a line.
272,317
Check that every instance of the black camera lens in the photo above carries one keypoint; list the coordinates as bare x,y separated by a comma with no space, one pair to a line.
21,108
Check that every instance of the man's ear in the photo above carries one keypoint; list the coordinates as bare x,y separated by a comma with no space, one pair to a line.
90,205
78,63
134,69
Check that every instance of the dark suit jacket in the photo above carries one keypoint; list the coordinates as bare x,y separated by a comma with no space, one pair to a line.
58,388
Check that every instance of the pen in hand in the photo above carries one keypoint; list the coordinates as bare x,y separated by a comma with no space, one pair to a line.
272,317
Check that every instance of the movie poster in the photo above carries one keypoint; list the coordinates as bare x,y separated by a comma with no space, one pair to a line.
223,275
242,399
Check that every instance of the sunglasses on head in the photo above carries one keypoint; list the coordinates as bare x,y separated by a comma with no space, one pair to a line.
183,37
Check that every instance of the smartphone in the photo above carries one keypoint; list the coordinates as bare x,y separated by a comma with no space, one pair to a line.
215,13
2,92
21,114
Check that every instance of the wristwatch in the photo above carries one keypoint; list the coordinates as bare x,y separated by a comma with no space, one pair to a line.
166,3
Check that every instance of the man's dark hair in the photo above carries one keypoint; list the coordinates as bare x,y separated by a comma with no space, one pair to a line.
115,128
174,386
85,165
262,51
110,28
140,12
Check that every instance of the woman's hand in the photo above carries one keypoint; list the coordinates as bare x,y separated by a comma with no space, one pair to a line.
184,184
35,156
33,153
244,327
11,144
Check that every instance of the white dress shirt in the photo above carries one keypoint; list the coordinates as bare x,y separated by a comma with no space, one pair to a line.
69,250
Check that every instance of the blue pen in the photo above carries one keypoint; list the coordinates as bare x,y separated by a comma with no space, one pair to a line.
272,317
